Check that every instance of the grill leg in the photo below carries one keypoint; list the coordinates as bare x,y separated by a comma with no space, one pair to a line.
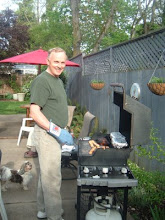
125,204
78,201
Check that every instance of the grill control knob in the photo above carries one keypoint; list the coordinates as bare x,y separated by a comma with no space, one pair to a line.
86,170
105,170
124,170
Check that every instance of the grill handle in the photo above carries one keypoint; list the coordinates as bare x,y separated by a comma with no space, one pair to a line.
118,85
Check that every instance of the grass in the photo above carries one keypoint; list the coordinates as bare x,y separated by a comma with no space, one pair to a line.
12,107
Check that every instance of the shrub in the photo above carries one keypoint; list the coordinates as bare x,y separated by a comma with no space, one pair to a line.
150,192
156,150
9,96
63,77
12,82
158,213
78,118
26,86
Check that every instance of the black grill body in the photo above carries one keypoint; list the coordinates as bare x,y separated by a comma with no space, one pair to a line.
134,124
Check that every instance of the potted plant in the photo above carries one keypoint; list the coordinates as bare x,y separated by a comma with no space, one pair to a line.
157,85
16,91
15,96
21,94
97,84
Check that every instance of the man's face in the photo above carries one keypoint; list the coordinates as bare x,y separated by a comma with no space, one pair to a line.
56,63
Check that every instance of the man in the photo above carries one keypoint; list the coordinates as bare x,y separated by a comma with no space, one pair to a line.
50,112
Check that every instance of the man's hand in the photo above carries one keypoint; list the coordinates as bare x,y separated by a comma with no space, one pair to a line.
62,135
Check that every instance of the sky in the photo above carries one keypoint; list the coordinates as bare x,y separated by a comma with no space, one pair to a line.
7,3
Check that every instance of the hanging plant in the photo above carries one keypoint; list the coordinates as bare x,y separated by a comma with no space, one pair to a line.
157,85
97,84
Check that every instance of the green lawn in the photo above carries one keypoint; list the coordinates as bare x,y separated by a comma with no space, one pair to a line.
12,107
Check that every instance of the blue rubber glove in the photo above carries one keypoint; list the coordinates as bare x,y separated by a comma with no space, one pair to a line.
62,135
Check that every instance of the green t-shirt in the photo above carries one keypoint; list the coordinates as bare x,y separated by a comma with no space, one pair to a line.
48,92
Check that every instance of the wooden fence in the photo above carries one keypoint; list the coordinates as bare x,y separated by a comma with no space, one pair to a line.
130,62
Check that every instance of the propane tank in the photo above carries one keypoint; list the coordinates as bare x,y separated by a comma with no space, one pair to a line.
101,213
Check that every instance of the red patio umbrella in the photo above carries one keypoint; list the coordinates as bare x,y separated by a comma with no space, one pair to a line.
36,57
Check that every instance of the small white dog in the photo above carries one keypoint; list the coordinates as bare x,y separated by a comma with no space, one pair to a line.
22,176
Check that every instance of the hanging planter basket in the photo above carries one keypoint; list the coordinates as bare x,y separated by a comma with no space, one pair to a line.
97,86
157,85
157,88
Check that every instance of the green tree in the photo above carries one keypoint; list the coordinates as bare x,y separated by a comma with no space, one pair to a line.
88,25
75,4
12,33
147,16
163,14
52,31
101,22
26,12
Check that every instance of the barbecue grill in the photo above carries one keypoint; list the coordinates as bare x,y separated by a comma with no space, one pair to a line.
104,171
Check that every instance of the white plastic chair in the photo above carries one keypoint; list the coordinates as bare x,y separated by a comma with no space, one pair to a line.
24,128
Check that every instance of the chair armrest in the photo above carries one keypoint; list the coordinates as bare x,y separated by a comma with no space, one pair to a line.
26,119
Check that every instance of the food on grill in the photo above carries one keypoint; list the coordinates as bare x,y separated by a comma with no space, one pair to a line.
93,149
94,146
93,143
118,140
102,141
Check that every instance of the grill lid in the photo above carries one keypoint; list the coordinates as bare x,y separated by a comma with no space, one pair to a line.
134,117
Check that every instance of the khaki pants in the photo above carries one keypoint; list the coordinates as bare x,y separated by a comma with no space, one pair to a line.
30,141
49,184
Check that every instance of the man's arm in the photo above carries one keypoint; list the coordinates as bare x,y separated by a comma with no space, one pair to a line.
62,135
38,116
